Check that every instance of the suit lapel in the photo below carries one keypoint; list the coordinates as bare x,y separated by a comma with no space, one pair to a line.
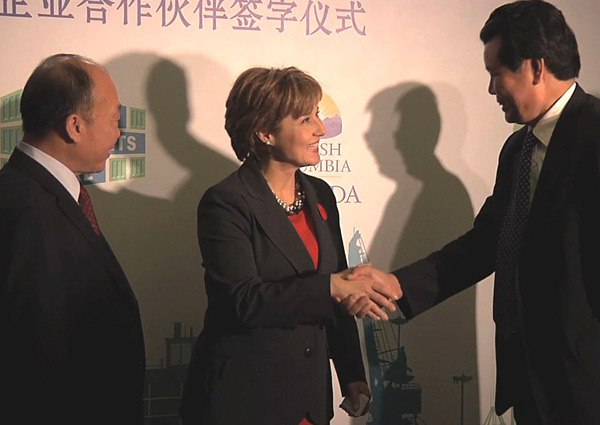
99,244
65,202
327,252
557,169
272,219
72,211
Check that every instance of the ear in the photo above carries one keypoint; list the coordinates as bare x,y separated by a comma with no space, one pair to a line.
265,137
74,127
538,67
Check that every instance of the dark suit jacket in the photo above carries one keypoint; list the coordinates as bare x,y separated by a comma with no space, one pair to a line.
559,269
270,327
73,350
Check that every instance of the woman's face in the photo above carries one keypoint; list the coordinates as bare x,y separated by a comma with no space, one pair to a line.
297,140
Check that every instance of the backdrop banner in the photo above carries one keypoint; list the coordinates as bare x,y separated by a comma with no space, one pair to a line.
411,152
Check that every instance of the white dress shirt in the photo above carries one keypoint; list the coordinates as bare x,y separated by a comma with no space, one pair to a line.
60,171
543,130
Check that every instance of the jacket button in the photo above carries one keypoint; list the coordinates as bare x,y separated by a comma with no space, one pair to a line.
308,352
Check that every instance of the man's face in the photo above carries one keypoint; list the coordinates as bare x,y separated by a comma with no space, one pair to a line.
514,90
102,130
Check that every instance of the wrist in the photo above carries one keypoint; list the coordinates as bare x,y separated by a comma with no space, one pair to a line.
334,289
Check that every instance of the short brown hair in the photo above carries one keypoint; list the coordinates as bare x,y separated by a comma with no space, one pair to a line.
259,99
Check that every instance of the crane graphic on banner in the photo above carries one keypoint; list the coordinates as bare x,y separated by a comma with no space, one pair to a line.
396,398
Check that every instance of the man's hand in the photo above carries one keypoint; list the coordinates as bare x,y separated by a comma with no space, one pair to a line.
387,282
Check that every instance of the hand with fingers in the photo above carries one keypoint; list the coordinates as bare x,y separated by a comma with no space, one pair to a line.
386,284
365,293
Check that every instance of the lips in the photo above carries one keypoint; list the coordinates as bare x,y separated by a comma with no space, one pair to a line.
503,104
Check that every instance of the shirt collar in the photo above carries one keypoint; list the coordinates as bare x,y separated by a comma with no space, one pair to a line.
59,170
545,127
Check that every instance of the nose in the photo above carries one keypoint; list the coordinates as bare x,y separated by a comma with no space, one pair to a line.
320,130
491,87
117,135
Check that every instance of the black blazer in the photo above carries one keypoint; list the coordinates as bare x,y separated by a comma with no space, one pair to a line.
270,327
559,269
73,350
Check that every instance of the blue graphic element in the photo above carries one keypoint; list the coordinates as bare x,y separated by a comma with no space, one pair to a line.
396,400
123,117
130,143
165,378
94,178
357,253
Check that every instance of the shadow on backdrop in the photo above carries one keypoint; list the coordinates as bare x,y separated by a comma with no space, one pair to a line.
422,372
155,237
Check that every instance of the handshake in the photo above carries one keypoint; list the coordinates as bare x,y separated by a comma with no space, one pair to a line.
366,291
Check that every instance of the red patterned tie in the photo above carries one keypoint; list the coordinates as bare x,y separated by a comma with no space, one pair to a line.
88,209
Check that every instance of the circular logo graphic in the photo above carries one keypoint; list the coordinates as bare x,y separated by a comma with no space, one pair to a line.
330,114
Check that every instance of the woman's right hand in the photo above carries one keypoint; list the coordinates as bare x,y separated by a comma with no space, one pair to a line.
366,294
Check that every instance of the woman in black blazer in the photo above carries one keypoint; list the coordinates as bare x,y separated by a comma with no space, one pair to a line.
273,253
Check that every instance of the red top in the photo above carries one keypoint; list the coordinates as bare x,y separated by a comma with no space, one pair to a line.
306,229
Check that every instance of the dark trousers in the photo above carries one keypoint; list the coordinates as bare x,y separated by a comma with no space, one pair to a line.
525,411
524,406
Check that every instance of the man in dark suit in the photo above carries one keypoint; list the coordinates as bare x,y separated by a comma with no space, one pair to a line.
73,350
539,230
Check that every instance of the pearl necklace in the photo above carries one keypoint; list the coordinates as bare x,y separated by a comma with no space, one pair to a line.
295,207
